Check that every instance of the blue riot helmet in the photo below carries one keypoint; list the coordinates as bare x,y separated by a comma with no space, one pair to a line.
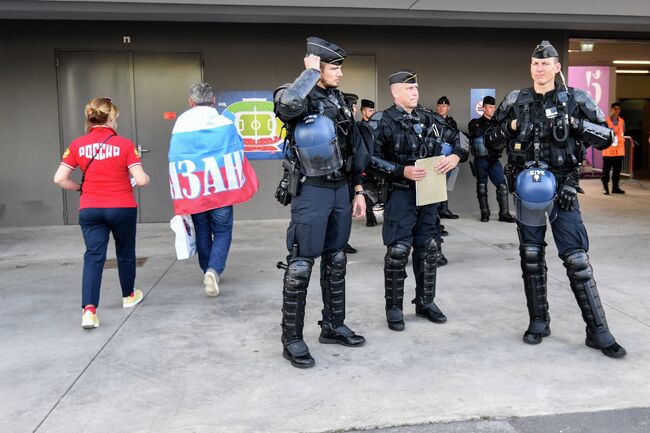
535,191
317,146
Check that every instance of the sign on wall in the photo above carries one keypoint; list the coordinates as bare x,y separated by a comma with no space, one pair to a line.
252,112
476,101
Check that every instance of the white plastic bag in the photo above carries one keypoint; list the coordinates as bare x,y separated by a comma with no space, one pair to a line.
185,236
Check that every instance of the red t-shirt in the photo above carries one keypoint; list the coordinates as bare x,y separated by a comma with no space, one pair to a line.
106,182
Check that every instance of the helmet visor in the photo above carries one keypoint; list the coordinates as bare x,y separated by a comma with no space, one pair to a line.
320,159
534,214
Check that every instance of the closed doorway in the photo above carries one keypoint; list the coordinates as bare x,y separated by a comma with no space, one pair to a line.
150,89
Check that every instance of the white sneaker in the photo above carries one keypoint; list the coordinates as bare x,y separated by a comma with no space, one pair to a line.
89,320
211,281
134,299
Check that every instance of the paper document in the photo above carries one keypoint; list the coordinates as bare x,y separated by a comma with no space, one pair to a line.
433,188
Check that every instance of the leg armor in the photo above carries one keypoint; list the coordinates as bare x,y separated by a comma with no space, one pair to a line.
332,281
584,288
481,193
533,268
294,295
502,199
425,265
395,261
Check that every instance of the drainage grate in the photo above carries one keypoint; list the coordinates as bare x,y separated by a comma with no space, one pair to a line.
112,263
507,246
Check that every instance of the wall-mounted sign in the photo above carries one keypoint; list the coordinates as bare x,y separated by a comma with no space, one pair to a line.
252,113
476,101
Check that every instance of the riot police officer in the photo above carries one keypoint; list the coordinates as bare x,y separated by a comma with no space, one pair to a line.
442,108
487,164
404,133
545,129
317,171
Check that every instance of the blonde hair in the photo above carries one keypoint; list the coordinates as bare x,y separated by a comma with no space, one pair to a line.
100,111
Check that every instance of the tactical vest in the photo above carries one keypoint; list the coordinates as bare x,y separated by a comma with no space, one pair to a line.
537,127
417,135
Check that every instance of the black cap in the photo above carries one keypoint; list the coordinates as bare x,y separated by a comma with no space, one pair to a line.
328,53
443,100
403,76
350,98
367,103
545,50
489,100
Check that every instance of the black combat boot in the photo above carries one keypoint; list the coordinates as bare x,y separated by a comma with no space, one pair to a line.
481,193
294,295
444,211
605,188
502,199
585,291
533,267
394,274
333,330
425,265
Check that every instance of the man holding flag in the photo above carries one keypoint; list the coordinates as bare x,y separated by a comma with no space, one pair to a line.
208,174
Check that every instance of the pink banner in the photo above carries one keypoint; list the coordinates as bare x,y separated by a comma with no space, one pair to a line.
595,80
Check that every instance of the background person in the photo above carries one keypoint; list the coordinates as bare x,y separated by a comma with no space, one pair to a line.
613,156
106,204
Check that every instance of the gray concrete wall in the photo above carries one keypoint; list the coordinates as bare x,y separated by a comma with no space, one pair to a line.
237,57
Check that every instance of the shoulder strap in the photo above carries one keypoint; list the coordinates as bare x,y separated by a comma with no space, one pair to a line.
101,145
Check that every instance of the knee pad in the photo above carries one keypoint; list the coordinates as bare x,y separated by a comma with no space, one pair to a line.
397,255
298,272
481,189
336,259
577,263
532,258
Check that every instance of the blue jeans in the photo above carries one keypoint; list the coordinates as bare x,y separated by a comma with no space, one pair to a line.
96,224
213,237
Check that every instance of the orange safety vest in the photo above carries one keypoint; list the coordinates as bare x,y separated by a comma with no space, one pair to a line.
618,147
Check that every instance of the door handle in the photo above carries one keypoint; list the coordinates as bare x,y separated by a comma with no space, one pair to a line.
141,150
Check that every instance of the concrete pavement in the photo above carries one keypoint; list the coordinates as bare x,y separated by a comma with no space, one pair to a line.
182,362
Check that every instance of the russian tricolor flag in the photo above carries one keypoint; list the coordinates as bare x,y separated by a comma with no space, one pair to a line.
207,165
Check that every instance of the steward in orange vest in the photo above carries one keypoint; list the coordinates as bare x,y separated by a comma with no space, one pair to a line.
613,155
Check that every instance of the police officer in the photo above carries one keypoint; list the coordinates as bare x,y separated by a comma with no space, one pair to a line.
367,109
313,109
442,108
371,185
545,129
404,133
486,163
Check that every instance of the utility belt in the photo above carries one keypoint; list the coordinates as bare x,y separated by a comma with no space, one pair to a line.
332,180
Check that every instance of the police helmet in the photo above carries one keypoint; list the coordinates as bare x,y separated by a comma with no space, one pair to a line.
317,146
535,191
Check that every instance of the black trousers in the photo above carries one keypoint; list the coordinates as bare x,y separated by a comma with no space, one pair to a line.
615,164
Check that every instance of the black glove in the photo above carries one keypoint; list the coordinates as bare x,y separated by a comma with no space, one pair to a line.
568,197
282,192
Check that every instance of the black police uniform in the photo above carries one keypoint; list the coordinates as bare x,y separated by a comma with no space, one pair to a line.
321,213
401,139
371,185
543,135
443,207
487,164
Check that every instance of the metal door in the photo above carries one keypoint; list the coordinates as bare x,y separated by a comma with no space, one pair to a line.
161,83
147,88
81,77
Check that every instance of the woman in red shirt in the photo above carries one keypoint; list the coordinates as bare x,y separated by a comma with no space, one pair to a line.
107,204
